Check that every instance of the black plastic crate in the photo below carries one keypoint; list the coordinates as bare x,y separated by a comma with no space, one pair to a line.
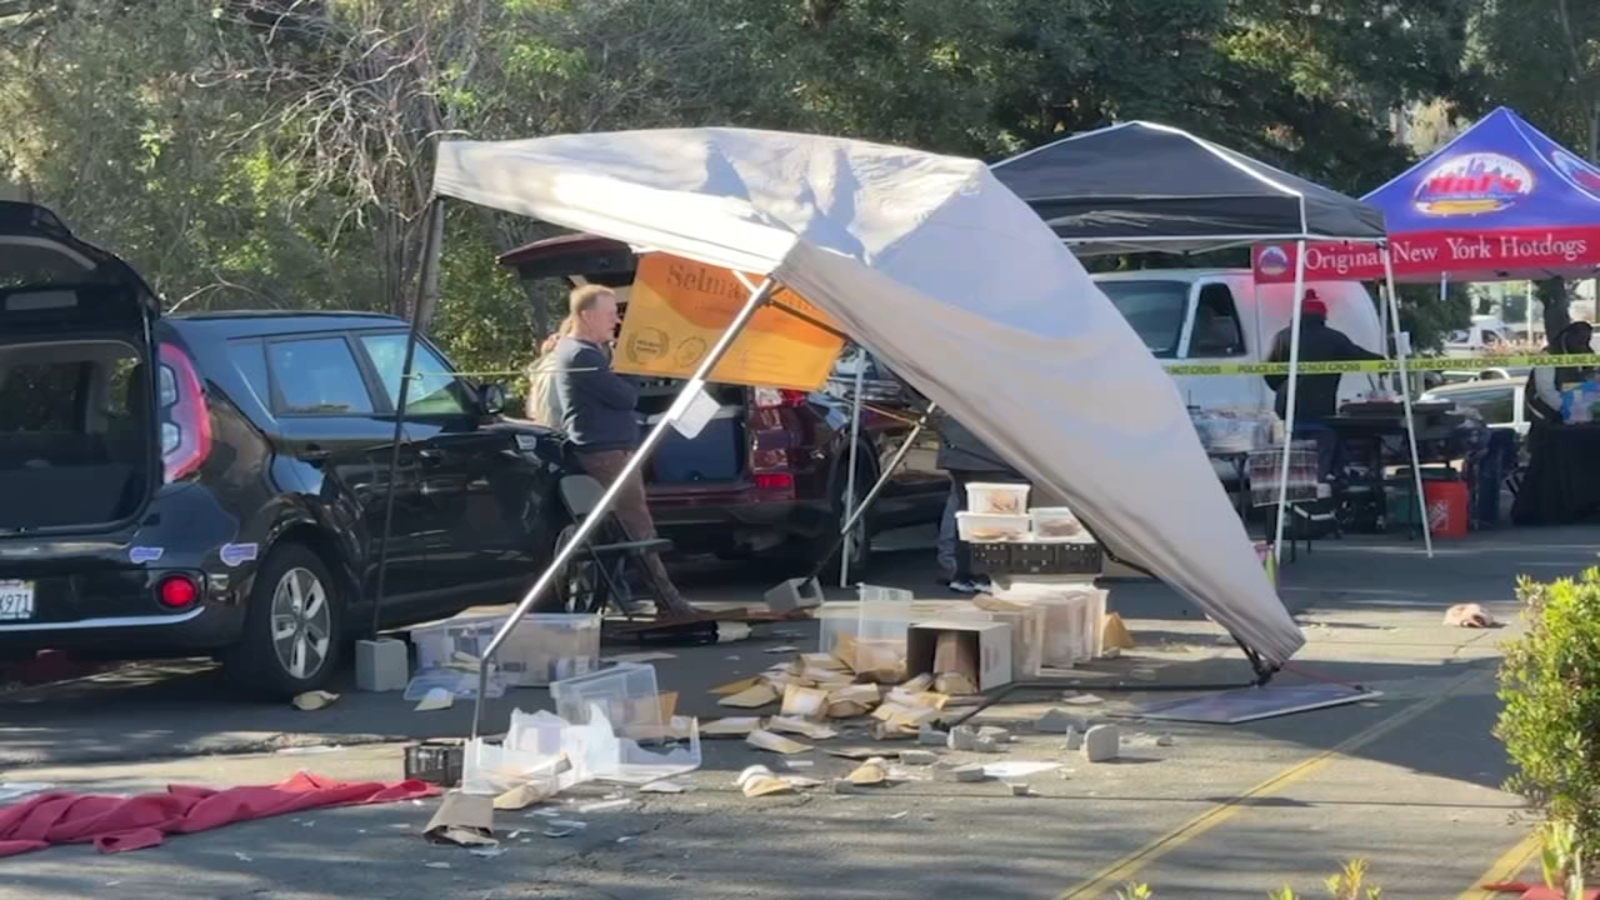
436,762
1045,558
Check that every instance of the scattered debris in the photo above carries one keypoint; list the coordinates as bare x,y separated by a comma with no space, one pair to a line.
1114,635
569,823
918,757
1074,740
1021,768
777,743
859,754
802,727
605,806
965,774
558,832
962,738
243,857
1056,721
662,787
986,744
487,852
1082,700
757,695
786,648
929,736
466,820
1019,790
844,786
997,734
436,698
874,771
1469,615
733,726
758,781
899,815
524,796
437,865
644,657
311,701
804,702
1165,740
1102,743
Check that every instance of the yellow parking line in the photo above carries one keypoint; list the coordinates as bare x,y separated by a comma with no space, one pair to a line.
1506,868
1124,869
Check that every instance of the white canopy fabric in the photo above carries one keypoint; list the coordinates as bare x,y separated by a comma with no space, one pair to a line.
954,282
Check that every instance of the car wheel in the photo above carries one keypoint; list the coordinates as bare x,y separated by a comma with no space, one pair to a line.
291,640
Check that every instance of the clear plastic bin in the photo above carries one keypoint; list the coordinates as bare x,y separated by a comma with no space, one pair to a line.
988,528
617,712
870,639
1000,499
544,647
461,685
1055,523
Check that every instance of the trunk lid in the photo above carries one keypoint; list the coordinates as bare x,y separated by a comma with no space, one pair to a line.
79,441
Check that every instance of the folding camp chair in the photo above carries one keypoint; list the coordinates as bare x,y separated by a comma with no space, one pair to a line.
599,574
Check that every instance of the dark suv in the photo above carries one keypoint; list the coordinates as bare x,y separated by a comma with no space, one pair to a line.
215,484
769,474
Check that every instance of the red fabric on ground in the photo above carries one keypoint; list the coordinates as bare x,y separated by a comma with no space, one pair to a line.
1525,891
116,824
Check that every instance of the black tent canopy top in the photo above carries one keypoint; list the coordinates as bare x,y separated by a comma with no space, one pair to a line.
1142,186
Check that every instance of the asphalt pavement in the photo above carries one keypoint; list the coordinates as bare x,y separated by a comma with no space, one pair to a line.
1410,781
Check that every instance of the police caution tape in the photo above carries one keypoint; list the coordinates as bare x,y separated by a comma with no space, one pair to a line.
1369,367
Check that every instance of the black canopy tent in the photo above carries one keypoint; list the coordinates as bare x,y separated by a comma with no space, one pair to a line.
1140,187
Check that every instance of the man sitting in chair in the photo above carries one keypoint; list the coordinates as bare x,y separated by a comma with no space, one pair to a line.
598,414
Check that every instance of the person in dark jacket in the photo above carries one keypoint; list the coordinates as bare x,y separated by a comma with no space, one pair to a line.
967,459
1317,397
598,414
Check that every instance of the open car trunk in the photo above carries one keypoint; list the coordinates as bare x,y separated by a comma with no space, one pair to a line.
717,455
79,444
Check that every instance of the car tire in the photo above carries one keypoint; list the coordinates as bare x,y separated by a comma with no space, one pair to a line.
292,639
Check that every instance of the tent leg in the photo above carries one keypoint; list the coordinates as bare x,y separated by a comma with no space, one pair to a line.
1288,412
850,477
1405,395
883,479
430,257
696,382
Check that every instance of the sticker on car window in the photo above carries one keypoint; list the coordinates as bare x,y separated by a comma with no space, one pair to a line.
234,555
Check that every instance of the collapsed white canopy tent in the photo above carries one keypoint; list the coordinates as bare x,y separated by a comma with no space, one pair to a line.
951,280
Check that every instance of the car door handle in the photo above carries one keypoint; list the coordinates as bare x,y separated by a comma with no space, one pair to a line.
430,456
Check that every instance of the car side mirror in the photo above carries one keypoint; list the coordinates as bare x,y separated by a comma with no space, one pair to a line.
493,397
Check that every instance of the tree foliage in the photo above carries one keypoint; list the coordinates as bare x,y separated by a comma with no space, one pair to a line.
248,153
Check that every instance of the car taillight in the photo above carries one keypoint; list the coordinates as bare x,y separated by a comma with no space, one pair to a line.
185,420
773,398
776,481
177,591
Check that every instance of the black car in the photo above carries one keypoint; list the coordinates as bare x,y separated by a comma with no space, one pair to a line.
216,484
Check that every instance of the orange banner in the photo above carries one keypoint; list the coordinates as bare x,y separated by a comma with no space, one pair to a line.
677,309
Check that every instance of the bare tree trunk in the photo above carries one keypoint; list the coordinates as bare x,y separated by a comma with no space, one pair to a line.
433,244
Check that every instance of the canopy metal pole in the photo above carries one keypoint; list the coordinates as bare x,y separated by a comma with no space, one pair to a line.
850,477
691,388
434,222
883,479
1405,395
1288,411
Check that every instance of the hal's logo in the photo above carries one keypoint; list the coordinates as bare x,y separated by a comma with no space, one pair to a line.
1473,184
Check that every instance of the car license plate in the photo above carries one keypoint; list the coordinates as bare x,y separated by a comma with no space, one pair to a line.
16,601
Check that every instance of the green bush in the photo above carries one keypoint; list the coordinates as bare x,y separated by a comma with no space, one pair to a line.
1550,725
1349,884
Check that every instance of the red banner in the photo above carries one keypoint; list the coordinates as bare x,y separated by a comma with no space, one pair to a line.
1423,257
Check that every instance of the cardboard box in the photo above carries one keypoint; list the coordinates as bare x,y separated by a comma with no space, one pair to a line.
988,645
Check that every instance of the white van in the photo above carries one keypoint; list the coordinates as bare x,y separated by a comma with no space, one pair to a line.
1221,315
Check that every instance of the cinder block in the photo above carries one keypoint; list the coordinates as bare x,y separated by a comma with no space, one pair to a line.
1102,743
382,665
795,594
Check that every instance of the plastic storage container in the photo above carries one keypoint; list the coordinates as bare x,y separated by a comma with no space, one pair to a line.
620,710
1000,499
991,528
871,639
1056,523
544,647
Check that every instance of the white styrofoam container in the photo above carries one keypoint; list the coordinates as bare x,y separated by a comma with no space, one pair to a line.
1000,499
